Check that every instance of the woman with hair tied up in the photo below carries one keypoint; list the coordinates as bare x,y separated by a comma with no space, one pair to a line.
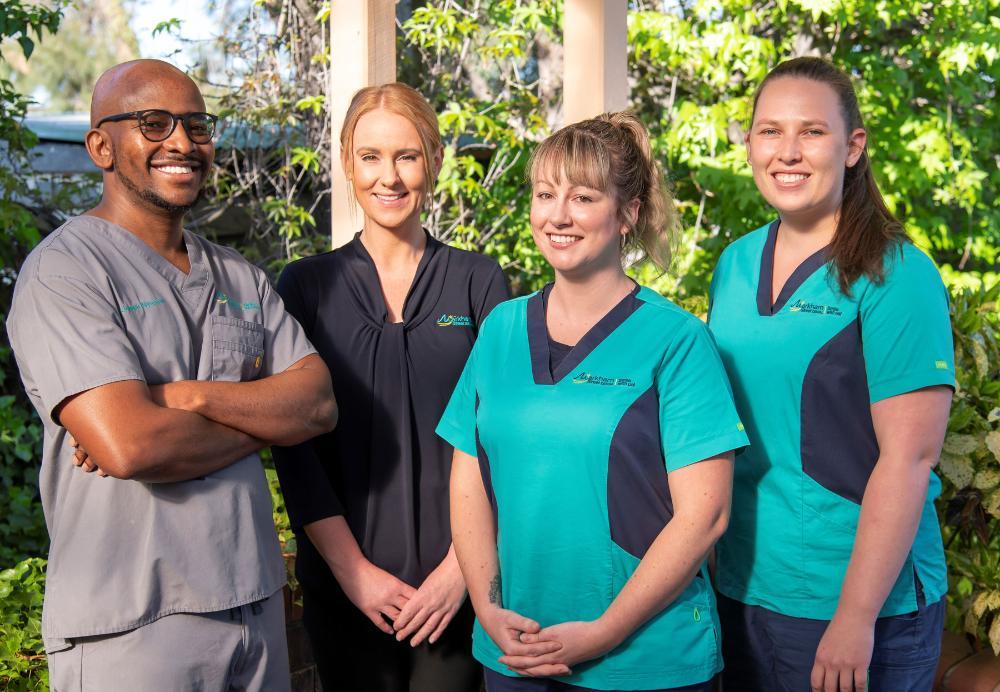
834,331
594,433
394,314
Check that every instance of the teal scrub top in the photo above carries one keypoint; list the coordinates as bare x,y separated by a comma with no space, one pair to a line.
805,371
575,462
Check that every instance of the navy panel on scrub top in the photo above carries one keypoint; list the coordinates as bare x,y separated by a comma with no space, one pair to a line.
838,443
484,471
639,503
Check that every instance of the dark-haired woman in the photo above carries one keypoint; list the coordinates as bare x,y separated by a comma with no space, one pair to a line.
834,331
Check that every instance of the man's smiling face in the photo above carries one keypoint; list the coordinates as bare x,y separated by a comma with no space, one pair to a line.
166,175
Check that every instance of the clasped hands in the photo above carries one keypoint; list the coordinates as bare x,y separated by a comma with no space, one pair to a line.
398,609
536,652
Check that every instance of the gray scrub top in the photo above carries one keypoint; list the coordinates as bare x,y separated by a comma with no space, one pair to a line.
93,305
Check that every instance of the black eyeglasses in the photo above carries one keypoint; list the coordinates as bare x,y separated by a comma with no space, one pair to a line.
156,124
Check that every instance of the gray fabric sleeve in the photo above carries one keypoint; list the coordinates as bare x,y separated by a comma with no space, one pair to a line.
68,338
285,341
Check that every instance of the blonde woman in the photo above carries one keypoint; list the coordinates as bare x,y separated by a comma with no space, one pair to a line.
394,314
594,433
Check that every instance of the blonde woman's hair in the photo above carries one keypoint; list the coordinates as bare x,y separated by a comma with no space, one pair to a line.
400,99
612,153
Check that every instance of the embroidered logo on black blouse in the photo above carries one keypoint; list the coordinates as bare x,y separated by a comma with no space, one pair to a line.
814,308
590,378
446,320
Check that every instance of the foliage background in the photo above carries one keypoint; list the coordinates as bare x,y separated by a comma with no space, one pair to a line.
926,75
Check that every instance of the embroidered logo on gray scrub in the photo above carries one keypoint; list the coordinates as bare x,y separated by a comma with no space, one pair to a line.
223,299
142,305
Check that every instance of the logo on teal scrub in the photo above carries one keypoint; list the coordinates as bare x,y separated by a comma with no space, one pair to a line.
814,308
446,320
222,299
590,378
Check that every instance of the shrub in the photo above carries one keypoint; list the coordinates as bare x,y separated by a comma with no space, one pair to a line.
22,655
970,468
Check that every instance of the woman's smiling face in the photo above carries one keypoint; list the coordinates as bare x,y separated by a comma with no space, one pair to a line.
576,227
799,148
389,171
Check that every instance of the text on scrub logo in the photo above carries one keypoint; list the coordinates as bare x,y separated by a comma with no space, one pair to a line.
446,320
813,308
590,378
142,305
222,299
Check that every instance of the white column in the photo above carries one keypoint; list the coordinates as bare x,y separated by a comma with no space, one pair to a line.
595,58
362,53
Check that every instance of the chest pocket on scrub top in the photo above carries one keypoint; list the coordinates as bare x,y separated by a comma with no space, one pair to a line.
237,349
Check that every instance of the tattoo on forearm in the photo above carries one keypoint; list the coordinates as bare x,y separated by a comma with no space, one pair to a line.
495,590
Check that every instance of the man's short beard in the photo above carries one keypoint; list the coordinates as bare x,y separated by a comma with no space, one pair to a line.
150,196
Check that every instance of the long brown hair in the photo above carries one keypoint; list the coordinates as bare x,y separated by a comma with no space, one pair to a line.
612,153
866,229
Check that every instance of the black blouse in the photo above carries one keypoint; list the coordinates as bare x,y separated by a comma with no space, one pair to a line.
383,467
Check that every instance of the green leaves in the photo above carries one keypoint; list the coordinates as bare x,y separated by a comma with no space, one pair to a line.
18,20
923,74
27,46
306,158
22,526
311,103
289,218
22,654
970,465
168,26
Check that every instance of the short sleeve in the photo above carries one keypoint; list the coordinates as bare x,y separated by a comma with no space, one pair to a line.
68,338
285,341
458,424
309,495
494,291
698,418
291,291
717,275
906,329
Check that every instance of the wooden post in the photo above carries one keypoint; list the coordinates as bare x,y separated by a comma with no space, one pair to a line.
362,53
595,58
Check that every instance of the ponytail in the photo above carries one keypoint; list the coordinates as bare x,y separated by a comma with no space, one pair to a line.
612,153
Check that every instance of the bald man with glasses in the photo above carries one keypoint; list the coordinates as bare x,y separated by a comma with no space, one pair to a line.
160,363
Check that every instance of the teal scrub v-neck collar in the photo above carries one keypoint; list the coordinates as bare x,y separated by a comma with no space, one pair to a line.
538,336
798,277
